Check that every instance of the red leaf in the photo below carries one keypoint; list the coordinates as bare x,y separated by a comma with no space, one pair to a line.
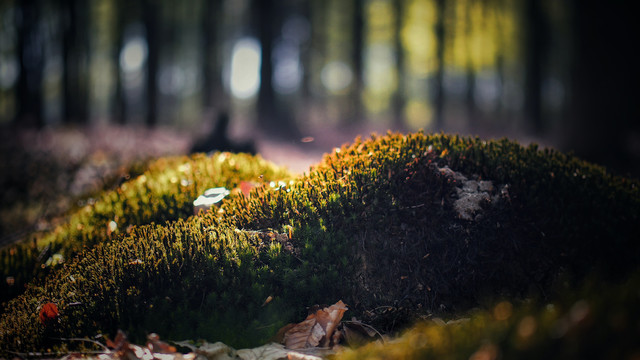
246,186
48,313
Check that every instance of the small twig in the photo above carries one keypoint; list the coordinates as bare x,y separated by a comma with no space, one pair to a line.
51,354
85,340
265,326
367,326
384,307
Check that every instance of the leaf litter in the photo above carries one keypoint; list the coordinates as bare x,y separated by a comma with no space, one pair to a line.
315,338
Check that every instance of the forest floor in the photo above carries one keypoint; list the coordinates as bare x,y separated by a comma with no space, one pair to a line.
43,172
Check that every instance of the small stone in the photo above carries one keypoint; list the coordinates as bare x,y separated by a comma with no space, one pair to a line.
486,186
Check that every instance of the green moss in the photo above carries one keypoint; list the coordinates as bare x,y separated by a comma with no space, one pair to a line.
184,279
391,196
163,192
377,224
597,322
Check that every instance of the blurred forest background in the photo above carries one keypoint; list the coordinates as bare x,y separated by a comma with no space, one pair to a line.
560,72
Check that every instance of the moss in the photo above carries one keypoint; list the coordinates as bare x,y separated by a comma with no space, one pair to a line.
393,198
599,321
417,223
164,192
185,279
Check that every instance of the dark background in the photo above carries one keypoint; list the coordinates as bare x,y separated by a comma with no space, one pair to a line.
559,72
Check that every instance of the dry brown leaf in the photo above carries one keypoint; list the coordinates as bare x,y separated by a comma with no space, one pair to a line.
215,351
317,334
278,352
317,329
279,337
329,318
156,346
301,335
336,338
119,342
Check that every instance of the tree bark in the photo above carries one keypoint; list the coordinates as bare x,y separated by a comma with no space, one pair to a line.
536,52
399,97
151,22
30,48
358,40
119,108
74,54
273,117
440,39
472,108
212,90
604,89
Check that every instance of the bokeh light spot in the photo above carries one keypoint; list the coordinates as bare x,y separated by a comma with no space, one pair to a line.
245,68
134,54
336,76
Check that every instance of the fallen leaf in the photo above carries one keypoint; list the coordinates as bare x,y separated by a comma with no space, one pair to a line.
246,186
302,335
268,300
156,346
279,336
317,329
48,313
329,318
119,342
216,351
273,352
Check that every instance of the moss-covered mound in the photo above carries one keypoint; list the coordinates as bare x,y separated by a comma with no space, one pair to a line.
163,192
599,321
417,223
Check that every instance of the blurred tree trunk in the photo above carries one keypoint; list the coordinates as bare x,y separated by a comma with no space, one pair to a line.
536,45
151,22
208,29
119,103
472,108
358,40
305,9
264,14
604,89
212,90
399,97
498,109
440,39
273,117
75,44
30,48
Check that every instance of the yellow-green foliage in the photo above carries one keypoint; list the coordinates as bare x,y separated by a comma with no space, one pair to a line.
189,279
600,321
164,192
372,224
384,198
